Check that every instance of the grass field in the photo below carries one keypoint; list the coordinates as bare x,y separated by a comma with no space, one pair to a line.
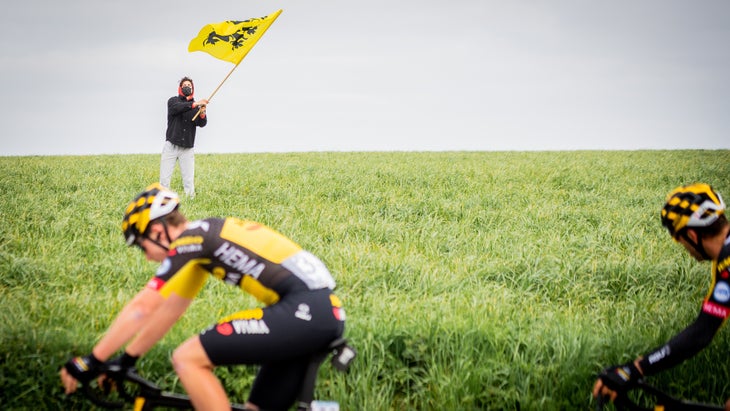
472,280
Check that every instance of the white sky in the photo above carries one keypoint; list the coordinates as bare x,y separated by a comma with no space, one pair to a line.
94,76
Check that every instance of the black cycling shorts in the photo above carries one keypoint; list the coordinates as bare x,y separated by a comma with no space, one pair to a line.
281,338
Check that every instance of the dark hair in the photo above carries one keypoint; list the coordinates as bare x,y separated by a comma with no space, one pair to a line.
175,218
184,79
713,229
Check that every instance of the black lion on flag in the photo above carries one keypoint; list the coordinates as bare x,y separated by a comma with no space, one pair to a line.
236,39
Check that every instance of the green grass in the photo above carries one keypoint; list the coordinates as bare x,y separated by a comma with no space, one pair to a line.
472,280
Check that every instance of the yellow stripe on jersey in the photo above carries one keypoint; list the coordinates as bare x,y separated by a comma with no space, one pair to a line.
256,289
335,301
252,314
187,281
259,239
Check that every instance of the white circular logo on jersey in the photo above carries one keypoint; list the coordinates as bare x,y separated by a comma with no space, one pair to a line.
164,267
722,292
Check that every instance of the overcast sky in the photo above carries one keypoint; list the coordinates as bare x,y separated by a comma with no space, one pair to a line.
94,76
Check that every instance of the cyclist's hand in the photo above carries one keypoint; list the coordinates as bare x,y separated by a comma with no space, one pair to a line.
616,379
121,363
117,365
77,369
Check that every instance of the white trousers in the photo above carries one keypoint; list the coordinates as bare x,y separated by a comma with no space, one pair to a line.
186,156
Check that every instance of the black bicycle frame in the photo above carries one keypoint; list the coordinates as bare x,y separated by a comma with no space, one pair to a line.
147,396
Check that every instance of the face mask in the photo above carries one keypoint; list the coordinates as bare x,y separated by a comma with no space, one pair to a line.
187,91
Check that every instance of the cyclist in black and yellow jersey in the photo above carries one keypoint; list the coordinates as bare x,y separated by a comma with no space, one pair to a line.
695,217
300,316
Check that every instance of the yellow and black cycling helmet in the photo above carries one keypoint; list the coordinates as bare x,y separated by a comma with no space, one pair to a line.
154,202
691,206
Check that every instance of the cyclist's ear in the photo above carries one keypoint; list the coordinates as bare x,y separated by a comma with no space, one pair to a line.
691,234
156,230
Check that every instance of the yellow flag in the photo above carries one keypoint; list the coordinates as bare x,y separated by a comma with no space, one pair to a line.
231,40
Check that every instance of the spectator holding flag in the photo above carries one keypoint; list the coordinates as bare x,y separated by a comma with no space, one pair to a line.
182,120
230,41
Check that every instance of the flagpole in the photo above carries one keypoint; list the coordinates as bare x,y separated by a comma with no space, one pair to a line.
193,46
216,89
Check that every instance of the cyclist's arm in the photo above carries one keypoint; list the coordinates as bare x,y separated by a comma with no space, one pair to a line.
682,346
159,324
129,321
151,313
176,288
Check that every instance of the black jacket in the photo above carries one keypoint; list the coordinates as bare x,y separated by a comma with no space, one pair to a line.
180,124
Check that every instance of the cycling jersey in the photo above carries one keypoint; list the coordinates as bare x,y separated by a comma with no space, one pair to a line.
246,254
301,315
713,313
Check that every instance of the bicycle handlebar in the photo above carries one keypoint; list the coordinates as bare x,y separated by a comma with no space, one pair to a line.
146,395
662,399
115,378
